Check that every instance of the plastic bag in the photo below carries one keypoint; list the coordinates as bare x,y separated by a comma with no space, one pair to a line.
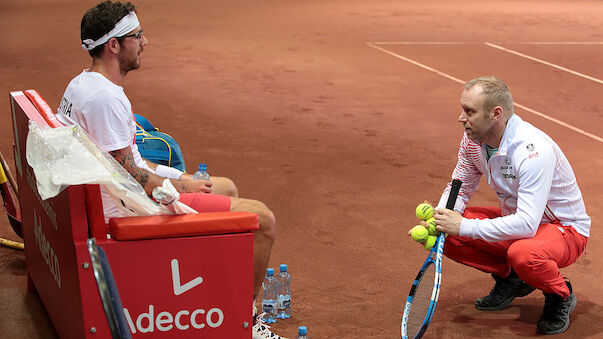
67,156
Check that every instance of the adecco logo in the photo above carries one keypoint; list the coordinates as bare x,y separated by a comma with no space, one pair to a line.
51,259
182,320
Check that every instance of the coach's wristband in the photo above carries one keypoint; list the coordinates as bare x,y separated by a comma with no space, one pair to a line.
168,172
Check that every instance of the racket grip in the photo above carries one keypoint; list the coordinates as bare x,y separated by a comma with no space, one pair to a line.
454,192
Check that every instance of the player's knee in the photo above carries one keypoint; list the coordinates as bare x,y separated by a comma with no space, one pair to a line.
267,221
230,188
266,217
225,186
521,258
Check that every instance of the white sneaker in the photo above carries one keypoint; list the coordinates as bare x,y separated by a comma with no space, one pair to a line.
262,331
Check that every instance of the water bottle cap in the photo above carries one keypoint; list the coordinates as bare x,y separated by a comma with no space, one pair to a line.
202,167
283,267
270,272
302,330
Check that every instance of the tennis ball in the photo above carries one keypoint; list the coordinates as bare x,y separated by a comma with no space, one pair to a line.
431,226
419,233
424,211
430,242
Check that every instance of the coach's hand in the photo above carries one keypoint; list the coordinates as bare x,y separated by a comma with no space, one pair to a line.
448,221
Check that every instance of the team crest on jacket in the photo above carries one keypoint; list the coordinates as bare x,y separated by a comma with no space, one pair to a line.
507,161
530,147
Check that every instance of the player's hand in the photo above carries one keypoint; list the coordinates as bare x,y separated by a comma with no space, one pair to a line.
196,186
186,176
448,221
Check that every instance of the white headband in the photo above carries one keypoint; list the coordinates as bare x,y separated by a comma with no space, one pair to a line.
125,25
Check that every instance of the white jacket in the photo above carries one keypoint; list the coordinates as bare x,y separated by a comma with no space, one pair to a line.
532,178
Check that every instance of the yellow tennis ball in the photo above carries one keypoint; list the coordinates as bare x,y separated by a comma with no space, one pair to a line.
430,242
419,233
431,226
424,211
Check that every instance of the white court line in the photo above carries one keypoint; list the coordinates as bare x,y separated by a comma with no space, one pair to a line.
542,115
555,43
495,45
425,43
545,63
564,124
479,43
417,63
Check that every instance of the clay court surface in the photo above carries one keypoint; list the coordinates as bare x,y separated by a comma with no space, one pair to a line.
341,117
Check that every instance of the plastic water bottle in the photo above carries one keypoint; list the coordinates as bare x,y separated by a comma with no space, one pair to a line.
283,290
269,299
302,332
201,174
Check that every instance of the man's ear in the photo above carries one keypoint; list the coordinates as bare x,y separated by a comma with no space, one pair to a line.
497,113
113,45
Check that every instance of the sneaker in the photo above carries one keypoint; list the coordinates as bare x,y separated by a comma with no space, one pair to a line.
555,315
261,330
503,292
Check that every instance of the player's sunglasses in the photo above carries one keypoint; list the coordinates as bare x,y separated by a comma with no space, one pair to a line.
136,35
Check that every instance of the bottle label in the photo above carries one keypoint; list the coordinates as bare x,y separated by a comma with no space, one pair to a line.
269,306
284,301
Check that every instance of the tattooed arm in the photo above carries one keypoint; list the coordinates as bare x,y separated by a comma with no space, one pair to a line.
150,180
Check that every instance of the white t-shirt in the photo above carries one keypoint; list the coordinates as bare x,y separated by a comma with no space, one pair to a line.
102,109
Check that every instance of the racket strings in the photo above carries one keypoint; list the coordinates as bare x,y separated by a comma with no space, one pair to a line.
421,301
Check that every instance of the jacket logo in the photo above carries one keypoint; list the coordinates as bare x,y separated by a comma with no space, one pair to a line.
507,161
530,147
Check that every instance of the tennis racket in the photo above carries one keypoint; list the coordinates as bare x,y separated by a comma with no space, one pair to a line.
12,244
425,290
7,196
9,175
8,199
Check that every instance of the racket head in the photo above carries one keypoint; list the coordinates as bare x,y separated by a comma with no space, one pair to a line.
423,296
420,304
9,206
9,201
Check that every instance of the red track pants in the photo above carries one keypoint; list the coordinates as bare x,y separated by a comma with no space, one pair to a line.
536,260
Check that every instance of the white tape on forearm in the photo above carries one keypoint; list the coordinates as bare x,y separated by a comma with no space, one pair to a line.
168,172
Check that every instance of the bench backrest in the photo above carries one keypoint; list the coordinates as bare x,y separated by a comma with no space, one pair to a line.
52,227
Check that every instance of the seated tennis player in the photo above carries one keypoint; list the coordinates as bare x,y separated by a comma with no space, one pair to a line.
95,100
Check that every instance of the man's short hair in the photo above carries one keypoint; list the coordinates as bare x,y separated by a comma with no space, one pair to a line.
101,19
496,93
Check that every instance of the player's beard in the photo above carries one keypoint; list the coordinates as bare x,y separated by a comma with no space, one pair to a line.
128,63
